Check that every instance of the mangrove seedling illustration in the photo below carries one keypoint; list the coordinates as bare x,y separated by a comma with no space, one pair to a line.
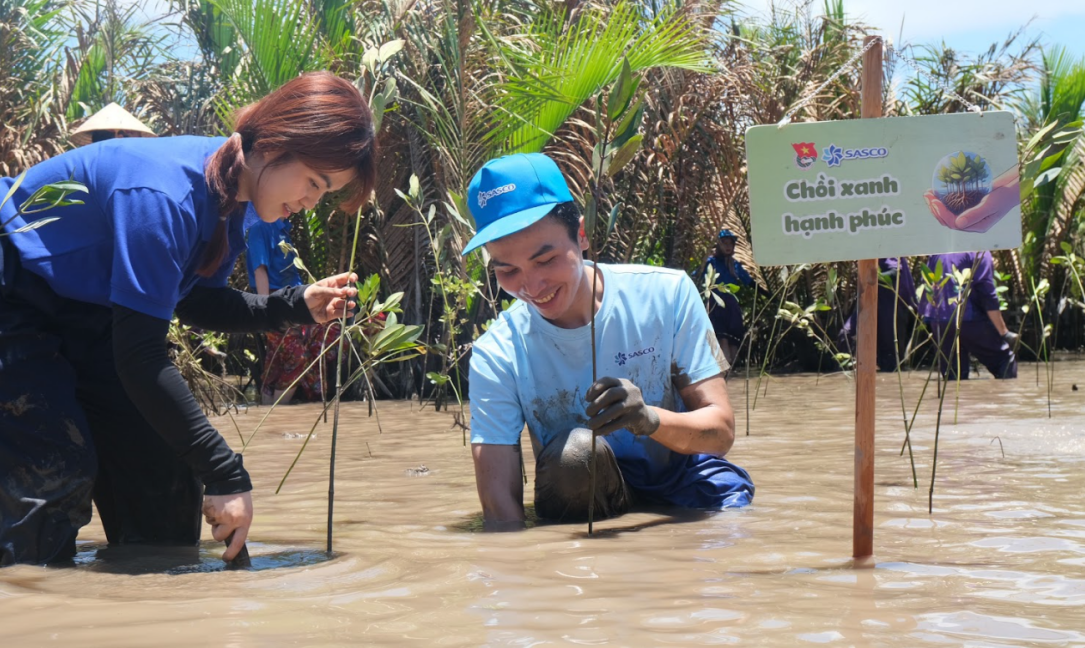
961,180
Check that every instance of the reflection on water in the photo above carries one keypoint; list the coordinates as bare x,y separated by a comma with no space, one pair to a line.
1001,562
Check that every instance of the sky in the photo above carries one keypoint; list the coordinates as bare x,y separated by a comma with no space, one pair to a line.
969,26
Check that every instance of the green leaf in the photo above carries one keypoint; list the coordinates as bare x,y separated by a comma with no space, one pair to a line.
367,291
624,155
622,92
590,210
1066,136
613,217
1047,176
393,302
390,91
629,124
33,225
1040,135
14,186
436,378
390,49
394,337
369,60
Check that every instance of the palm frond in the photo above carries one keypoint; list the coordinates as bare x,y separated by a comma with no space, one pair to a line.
555,68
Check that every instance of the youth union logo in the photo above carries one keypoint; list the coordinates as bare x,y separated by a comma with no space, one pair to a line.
485,196
806,153
834,155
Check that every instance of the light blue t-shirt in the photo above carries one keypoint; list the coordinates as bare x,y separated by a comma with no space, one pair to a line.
651,329
140,234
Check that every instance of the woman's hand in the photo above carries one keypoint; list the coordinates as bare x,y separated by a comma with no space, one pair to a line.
329,298
229,514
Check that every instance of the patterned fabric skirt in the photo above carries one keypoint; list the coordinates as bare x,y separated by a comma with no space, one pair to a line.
290,353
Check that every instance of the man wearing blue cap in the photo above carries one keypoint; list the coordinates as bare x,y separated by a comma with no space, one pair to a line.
726,317
660,408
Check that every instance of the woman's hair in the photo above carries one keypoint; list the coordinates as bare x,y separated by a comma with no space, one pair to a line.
317,119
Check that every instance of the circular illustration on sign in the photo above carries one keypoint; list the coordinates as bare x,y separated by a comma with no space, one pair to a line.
961,180
964,197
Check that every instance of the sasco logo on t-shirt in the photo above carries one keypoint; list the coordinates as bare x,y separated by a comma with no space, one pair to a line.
622,358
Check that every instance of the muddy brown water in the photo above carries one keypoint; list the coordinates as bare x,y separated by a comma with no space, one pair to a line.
1001,562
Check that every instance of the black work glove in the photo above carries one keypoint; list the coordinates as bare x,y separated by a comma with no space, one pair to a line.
616,403
1010,338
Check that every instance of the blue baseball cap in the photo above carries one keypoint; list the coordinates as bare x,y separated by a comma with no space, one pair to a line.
726,233
511,193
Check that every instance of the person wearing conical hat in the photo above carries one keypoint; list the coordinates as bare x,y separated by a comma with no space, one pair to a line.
108,123
91,407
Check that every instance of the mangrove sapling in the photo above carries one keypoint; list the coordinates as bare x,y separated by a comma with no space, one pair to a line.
1039,293
897,361
934,280
788,279
747,339
1075,268
382,341
455,288
930,281
622,120
942,384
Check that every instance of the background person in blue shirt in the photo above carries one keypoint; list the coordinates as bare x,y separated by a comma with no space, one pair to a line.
287,354
659,408
90,404
727,319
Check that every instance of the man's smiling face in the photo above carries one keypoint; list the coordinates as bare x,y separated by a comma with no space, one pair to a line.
544,267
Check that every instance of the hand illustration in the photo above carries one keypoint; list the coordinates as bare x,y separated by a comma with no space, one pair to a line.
1005,194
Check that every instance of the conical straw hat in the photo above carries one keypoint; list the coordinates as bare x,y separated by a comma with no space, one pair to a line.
112,117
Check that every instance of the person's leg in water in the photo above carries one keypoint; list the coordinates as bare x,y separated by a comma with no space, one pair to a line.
47,457
728,325
981,339
144,493
729,349
563,479
948,341
886,353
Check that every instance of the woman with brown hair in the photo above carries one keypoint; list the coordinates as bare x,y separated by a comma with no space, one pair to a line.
90,405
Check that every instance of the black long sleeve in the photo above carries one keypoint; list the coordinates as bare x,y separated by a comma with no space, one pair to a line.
229,311
161,395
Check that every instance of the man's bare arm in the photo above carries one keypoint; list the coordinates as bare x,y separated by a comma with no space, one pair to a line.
500,487
709,425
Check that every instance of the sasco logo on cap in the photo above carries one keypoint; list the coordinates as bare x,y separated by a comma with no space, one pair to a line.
485,196
512,193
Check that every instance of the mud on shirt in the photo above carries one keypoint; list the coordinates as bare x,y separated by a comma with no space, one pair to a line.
651,329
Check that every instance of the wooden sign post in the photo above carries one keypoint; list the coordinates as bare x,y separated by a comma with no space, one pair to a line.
871,188
867,320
